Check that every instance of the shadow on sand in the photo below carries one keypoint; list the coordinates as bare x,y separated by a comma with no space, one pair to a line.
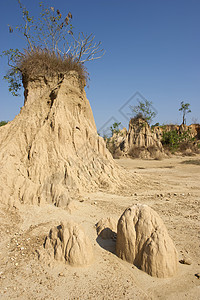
108,244
192,162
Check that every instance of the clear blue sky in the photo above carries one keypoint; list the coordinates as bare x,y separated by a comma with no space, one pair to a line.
152,47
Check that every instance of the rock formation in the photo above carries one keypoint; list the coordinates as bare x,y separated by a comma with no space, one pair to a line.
143,240
68,243
193,129
106,228
142,141
51,150
116,143
141,137
139,142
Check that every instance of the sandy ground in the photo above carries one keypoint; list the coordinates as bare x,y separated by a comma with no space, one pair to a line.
171,187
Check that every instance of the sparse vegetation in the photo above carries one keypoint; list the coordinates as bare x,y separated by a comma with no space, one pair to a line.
52,47
143,152
153,150
192,162
155,125
136,152
175,140
112,147
185,108
48,63
115,128
2,123
170,139
111,143
144,110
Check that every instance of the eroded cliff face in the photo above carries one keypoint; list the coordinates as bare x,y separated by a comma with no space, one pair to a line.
142,141
141,135
194,129
139,141
51,150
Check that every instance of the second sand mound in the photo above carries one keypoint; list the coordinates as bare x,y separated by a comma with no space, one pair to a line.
143,240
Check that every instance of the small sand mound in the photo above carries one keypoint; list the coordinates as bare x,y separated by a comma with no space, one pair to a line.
143,240
68,243
106,228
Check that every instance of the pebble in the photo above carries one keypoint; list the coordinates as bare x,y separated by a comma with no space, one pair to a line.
76,275
16,264
197,275
185,261
95,202
61,274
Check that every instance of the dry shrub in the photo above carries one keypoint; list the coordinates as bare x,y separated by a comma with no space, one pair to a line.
185,146
145,153
187,152
137,117
41,62
117,154
113,148
153,150
136,152
192,161
189,148
168,152
158,156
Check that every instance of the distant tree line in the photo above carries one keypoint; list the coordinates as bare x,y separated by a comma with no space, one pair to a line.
2,123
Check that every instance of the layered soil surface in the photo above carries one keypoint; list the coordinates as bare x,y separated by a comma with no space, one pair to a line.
170,186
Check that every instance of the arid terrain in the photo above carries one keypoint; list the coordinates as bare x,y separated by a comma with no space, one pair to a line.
107,214
169,186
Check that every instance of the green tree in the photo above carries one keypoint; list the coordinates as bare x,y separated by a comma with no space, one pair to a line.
144,110
53,33
2,123
174,139
115,128
185,108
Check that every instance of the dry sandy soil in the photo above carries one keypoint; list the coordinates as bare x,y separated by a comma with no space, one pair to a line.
171,187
